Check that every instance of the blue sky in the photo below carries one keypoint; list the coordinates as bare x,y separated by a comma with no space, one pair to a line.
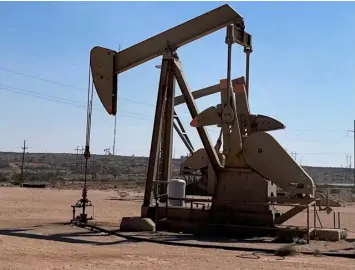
301,73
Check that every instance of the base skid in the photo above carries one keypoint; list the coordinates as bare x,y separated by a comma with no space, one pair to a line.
205,215
203,222
328,234
182,219
137,224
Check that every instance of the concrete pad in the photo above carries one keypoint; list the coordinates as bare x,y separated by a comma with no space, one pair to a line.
326,234
137,224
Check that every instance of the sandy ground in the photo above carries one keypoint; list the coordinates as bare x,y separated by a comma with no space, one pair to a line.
32,236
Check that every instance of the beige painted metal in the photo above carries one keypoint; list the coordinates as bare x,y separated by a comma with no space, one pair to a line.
261,151
252,163
177,37
102,63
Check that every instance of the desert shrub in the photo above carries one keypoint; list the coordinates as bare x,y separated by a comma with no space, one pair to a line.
3,178
334,191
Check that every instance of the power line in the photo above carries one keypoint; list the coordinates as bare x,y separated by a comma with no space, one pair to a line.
61,100
67,85
321,153
123,113
53,97
72,103
311,130
130,100
38,78
316,141
44,97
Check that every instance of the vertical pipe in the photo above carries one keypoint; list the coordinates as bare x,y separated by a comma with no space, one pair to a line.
230,41
229,69
308,235
247,69
315,218
84,193
153,155
114,136
338,220
168,129
334,220
156,202
114,129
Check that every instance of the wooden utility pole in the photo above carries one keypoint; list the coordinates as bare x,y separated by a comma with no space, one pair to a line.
23,159
93,167
294,154
350,161
81,160
353,131
347,161
77,154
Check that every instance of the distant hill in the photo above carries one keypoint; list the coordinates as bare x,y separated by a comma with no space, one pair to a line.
70,167
328,175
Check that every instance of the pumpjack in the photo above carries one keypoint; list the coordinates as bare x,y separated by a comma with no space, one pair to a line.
242,178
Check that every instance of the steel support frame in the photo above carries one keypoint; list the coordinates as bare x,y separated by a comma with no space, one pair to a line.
157,128
164,113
